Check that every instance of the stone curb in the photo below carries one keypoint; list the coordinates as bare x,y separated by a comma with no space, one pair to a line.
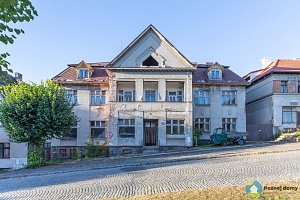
220,155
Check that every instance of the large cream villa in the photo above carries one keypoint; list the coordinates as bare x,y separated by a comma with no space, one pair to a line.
149,97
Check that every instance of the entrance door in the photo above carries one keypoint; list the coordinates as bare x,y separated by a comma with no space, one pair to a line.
298,120
150,132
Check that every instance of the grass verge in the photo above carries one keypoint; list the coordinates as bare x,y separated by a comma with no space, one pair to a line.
227,193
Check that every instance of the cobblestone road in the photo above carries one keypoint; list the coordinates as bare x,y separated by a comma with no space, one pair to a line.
156,178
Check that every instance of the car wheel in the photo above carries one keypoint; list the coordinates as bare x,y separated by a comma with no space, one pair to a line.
241,142
224,143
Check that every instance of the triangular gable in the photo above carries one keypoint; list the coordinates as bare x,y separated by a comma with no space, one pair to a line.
150,43
216,65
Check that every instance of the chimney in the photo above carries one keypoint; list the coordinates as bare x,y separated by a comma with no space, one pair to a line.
265,62
209,63
18,76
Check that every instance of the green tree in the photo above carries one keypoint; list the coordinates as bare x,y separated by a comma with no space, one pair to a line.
33,113
12,12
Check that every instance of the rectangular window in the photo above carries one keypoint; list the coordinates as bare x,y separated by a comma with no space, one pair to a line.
150,95
126,128
174,96
202,97
126,96
284,86
98,129
229,124
289,115
175,127
298,86
72,134
215,74
4,150
83,73
203,124
229,97
63,153
98,97
71,96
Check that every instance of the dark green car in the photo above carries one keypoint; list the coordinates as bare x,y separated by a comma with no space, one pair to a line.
220,137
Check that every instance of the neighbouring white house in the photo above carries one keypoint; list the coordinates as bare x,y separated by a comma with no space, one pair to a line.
149,97
273,98
12,155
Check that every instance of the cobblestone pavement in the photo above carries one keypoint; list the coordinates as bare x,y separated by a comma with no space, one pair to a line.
156,178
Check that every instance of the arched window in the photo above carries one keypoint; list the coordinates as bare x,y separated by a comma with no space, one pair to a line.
150,61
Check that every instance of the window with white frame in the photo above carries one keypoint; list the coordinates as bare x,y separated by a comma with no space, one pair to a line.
98,97
215,74
71,96
175,127
150,95
289,115
126,95
126,128
229,124
202,97
83,73
98,129
229,97
4,150
202,124
174,96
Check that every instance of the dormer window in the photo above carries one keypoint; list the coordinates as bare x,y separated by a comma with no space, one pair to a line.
83,73
215,74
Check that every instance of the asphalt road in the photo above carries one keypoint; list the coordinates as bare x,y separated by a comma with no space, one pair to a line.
155,178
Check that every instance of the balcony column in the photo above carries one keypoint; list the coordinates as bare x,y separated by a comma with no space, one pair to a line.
139,89
162,88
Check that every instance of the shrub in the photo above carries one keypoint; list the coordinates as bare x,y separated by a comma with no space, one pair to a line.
196,136
95,150
35,157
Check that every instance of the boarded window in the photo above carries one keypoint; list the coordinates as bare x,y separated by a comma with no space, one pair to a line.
292,87
277,86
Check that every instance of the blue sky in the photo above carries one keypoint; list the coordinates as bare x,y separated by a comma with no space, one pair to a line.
233,32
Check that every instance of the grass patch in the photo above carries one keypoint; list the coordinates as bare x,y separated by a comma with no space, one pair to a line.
226,193
297,134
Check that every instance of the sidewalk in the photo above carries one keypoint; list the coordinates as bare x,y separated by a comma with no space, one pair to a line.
152,159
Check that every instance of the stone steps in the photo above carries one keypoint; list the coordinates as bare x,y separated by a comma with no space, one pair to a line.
150,150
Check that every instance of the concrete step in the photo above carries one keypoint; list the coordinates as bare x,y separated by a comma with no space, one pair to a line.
150,149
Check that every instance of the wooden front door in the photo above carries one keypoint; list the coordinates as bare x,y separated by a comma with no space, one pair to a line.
298,119
150,132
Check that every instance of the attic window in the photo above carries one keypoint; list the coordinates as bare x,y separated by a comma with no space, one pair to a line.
150,61
83,73
215,74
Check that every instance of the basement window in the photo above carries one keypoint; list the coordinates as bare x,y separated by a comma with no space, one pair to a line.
150,61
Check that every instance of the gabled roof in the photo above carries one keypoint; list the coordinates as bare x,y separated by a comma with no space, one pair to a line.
163,38
279,66
200,76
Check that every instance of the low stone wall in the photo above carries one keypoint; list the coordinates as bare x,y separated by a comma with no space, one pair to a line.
123,150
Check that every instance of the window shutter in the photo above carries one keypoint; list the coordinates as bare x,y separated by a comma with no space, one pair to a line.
292,86
276,86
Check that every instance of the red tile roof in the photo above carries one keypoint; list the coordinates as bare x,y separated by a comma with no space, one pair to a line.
69,75
228,77
279,66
